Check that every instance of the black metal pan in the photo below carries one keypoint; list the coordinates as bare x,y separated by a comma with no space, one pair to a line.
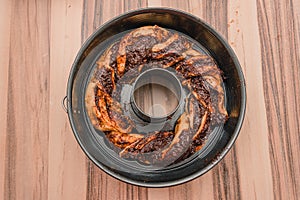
218,144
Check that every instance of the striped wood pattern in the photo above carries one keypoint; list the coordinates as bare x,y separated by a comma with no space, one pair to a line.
39,156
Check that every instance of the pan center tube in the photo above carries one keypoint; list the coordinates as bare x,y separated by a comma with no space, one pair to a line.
156,95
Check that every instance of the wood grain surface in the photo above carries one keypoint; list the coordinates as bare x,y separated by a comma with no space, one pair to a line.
39,156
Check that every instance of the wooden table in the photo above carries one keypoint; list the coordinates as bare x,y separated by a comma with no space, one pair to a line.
39,156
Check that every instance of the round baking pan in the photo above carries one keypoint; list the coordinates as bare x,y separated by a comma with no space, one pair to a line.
219,142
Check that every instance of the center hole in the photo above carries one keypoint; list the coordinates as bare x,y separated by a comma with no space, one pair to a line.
157,93
155,100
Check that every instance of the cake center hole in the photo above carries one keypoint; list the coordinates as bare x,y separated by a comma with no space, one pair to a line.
155,100
157,93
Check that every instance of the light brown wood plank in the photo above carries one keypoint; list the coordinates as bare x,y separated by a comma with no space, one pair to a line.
202,187
67,172
158,193
26,146
5,23
243,36
154,3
